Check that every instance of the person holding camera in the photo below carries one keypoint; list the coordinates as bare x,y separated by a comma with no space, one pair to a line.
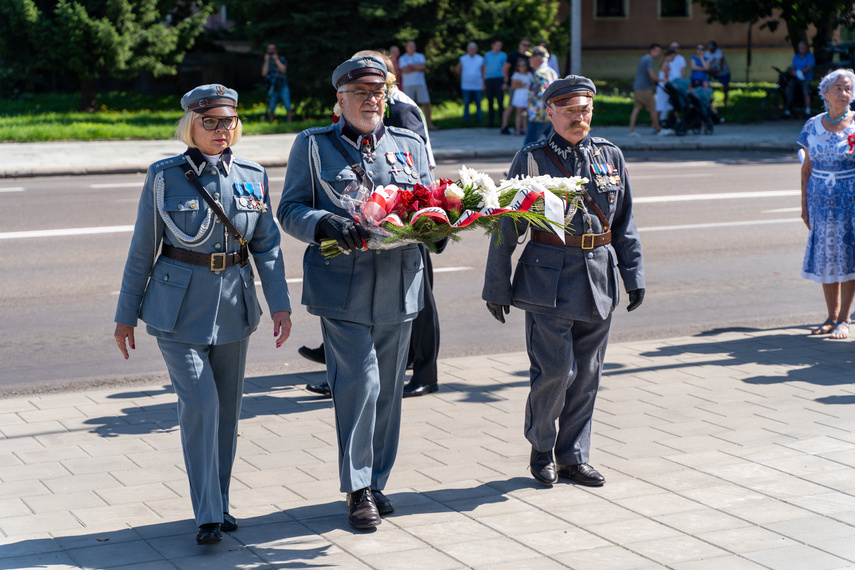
273,70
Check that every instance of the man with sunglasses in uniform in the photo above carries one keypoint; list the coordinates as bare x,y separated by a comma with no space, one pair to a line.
366,299
568,284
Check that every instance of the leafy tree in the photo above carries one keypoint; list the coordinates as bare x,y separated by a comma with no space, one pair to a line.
88,38
316,37
797,16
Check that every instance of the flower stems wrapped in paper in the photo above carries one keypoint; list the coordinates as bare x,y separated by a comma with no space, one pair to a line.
429,214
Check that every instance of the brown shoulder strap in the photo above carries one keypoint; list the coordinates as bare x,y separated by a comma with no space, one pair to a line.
194,180
585,195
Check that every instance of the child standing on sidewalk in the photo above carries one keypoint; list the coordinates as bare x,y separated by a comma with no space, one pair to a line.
520,81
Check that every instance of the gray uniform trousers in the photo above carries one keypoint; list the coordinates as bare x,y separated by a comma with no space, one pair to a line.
367,394
208,380
566,364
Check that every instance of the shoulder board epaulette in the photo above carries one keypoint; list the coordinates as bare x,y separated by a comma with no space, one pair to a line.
602,141
168,163
318,130
533,146
248,163
405,132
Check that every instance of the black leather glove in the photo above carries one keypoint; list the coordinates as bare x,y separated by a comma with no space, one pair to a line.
347,233
636,296
496,310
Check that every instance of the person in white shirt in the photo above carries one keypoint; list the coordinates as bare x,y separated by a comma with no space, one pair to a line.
470,68
413,65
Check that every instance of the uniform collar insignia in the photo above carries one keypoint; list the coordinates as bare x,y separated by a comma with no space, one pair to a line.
564,148
226,160
197,160
352,137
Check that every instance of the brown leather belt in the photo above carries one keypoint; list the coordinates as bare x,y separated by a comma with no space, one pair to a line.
214,261
585,241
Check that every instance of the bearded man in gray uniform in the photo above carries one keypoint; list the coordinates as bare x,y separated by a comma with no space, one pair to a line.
366,299
568,289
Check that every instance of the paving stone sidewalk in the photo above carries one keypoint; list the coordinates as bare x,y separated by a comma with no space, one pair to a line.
733,449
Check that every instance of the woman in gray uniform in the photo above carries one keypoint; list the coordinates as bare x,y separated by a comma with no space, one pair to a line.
189,279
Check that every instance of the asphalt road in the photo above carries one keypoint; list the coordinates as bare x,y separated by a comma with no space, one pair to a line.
722,238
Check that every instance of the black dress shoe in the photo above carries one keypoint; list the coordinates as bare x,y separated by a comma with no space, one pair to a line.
229,523
362,510
384,505
542,466
412,389
209,533
314,354
583,474
323,388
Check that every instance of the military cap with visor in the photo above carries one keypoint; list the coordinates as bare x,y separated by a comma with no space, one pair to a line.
207,97
570,91
359,69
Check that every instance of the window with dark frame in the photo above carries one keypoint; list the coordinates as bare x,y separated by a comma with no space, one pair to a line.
611,9
674,8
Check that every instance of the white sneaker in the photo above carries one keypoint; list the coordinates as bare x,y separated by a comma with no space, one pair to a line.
666,132
633,134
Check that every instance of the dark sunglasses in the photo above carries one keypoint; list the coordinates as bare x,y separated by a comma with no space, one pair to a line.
214,123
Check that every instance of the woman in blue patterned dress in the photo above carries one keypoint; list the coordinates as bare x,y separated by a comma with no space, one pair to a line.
828,200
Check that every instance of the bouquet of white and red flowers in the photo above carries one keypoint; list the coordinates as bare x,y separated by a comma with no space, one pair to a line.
428,214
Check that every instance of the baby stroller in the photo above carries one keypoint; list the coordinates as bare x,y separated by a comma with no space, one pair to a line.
692,109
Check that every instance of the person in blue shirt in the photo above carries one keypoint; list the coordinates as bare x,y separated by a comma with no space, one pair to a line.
494,77
802,69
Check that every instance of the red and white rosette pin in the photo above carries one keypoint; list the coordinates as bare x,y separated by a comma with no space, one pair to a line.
851,141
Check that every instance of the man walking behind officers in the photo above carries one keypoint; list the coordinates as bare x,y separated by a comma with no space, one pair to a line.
568,289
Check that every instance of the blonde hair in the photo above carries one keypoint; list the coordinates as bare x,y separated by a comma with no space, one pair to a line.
184,130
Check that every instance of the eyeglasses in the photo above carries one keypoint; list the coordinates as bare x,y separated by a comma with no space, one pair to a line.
362,95
214,123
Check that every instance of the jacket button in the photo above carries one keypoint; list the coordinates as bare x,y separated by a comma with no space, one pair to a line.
217,196
591,255
326,262
212,170
338,177
166,277
217,246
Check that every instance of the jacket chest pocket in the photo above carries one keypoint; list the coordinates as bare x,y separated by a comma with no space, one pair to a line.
186,212
343,180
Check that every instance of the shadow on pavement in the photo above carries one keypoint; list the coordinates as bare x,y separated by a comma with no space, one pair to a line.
292,537
263,395
816,360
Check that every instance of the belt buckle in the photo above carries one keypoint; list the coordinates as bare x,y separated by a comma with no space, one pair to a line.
218,261
588,244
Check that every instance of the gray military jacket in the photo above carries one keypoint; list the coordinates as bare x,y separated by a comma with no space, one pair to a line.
189,303
369,286
562,281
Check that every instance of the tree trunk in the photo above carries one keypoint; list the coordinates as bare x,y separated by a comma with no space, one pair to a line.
87,95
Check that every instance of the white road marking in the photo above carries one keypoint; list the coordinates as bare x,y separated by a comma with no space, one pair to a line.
719,225
66,232
717,196
782,210
118,185
660,176
12,189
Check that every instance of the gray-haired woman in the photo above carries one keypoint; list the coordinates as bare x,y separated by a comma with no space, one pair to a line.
188,278
828,200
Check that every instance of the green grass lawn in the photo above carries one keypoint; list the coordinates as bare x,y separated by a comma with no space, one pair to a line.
126,115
